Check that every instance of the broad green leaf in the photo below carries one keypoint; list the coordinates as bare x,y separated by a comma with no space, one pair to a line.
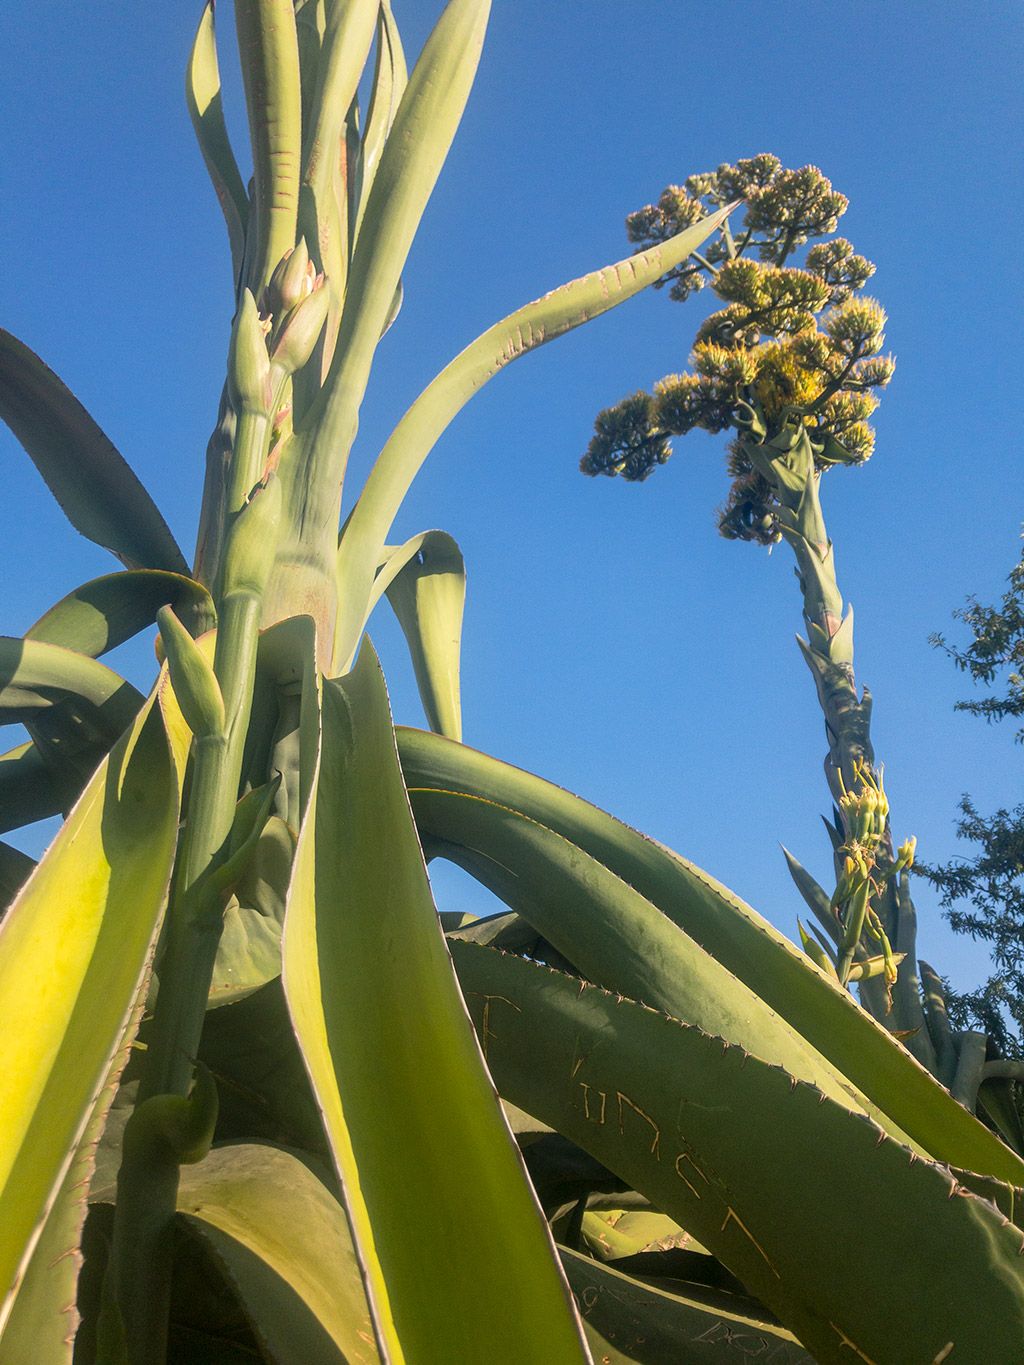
102,614
416,434
615,936
269,52
418,1138
823,1217
627,1320
73,951
100,495
283,1242
205,109
29,788
741,940
425,582
46,1311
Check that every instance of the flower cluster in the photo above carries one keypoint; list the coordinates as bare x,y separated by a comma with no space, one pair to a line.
792,343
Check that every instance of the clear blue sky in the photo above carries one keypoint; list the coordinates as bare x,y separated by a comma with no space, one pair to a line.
613,642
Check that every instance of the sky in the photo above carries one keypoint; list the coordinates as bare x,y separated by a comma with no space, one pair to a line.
613,642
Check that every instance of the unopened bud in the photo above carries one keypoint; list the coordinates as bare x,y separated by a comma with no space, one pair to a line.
905,854
291,281
192,677
252,541
248,361
302,329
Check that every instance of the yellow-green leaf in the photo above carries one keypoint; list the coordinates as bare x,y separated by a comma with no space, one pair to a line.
421,1147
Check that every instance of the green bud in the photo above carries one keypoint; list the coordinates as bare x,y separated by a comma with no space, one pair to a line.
248,361
875,966
301,330
291,281
192,677
252,541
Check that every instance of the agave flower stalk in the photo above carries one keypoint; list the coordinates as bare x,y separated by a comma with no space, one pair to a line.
791,365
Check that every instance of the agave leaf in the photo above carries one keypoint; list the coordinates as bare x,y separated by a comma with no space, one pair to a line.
45,1313
669,1108
107,611
614,1233
283,1242
29,788
615,936
413,439
205,109
390,78
35,676
323,209
269,51
417,1134
413,155
425,582
99,893
627,1320
741,940
15,868
97,490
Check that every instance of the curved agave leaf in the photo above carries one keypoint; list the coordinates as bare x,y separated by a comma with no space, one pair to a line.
416,1130
34,676
627,1320
425,582
768,1172
98,893
97,490
615,937
269,51
416,434
30,790
283,1241
741,940
205,109
107,611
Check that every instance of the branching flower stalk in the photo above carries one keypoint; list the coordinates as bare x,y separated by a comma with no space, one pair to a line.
792,366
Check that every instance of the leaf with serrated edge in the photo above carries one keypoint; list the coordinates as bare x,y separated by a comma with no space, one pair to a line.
766,1171
416,1130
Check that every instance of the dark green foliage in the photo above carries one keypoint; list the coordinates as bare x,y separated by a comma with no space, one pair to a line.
983,896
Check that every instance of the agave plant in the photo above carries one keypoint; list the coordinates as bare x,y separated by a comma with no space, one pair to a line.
247,1113
792,366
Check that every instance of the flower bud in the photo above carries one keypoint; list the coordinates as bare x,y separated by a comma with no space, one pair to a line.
252,541
192,677
248,361
302,328
291,280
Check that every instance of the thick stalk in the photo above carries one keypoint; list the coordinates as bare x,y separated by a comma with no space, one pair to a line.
788,463
148,1201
